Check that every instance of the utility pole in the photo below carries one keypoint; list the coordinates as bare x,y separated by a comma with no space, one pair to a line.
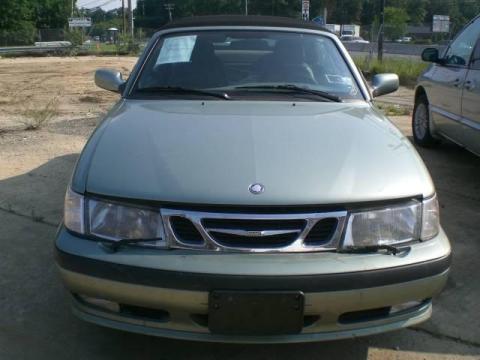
73,2
382,30
124,20
169,8
130,18
246,7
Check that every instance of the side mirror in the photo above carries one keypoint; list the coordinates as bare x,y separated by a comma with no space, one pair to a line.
110,80
431,55
385,84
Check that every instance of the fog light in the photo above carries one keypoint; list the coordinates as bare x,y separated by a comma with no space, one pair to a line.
405,306
100,303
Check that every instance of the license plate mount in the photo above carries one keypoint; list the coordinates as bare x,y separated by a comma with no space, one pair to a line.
256,313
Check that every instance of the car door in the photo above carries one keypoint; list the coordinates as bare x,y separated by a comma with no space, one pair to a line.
471,104
447,80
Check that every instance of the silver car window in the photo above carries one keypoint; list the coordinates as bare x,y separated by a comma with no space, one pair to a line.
461,48
476,57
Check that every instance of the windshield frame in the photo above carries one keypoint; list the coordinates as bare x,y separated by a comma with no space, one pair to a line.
153,43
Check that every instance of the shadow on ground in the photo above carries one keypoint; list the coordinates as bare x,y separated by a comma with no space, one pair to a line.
39,193
36,322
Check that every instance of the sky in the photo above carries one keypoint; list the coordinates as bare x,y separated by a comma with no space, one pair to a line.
105,4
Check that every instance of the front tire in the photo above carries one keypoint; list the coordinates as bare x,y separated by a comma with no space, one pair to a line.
421,123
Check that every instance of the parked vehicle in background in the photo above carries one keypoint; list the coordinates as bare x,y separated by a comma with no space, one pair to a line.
351,30
348,39
246,189
334,28
447,96
405,39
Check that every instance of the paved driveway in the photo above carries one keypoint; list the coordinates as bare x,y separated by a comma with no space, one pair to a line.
35,321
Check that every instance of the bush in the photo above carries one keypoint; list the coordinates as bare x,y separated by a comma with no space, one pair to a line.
24,34
408,70
127,45
74,36
38,117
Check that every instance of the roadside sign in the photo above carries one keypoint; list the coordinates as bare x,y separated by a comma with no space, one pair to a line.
80,22
306,10
441,24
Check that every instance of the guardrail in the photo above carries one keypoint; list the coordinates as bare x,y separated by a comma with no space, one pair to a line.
14,50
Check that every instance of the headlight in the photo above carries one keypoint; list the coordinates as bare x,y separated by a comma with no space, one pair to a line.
112,221
394,224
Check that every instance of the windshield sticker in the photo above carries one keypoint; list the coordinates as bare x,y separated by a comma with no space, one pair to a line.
337,79
177,49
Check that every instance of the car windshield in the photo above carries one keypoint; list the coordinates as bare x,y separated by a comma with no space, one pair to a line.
252,64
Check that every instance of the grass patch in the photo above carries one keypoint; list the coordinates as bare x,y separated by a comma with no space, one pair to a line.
408,70
37,118
392,109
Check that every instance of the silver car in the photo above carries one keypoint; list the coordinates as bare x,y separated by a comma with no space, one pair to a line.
245,189
447,97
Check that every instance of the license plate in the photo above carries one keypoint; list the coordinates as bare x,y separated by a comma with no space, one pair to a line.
255,313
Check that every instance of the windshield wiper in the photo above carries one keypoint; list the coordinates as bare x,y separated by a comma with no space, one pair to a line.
385,249
294,88
114,245
182,90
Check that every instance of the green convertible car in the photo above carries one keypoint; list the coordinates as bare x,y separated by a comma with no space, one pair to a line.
245,189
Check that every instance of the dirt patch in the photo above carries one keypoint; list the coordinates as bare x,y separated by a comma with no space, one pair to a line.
31,83
28,86
90,99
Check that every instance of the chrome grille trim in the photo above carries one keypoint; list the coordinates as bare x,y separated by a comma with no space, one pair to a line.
210,244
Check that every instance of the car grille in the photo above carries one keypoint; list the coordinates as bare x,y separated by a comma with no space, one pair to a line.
295,232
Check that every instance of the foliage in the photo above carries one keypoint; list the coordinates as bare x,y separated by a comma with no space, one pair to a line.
395,22
19,18
23,34
127,45
74,36
51,13
392,109
38,117
408,70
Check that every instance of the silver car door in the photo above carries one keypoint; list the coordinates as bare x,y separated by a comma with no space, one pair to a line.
471,104
447,82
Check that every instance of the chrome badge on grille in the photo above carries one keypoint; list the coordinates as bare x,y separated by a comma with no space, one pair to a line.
256,189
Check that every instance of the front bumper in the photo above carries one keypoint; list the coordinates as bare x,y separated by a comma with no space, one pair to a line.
177,284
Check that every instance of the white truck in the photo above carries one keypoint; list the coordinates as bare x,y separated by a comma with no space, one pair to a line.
350,30
334,28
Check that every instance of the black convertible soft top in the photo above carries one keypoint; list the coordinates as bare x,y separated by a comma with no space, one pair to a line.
238,20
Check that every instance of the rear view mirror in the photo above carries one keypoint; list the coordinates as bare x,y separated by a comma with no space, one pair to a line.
430,55
110,80
385,84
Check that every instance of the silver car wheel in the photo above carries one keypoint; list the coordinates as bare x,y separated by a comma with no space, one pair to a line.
421,121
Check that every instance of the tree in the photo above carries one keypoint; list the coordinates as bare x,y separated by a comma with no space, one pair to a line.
416,9
51,14
395,22
16,25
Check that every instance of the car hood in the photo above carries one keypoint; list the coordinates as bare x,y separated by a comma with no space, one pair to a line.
211,152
